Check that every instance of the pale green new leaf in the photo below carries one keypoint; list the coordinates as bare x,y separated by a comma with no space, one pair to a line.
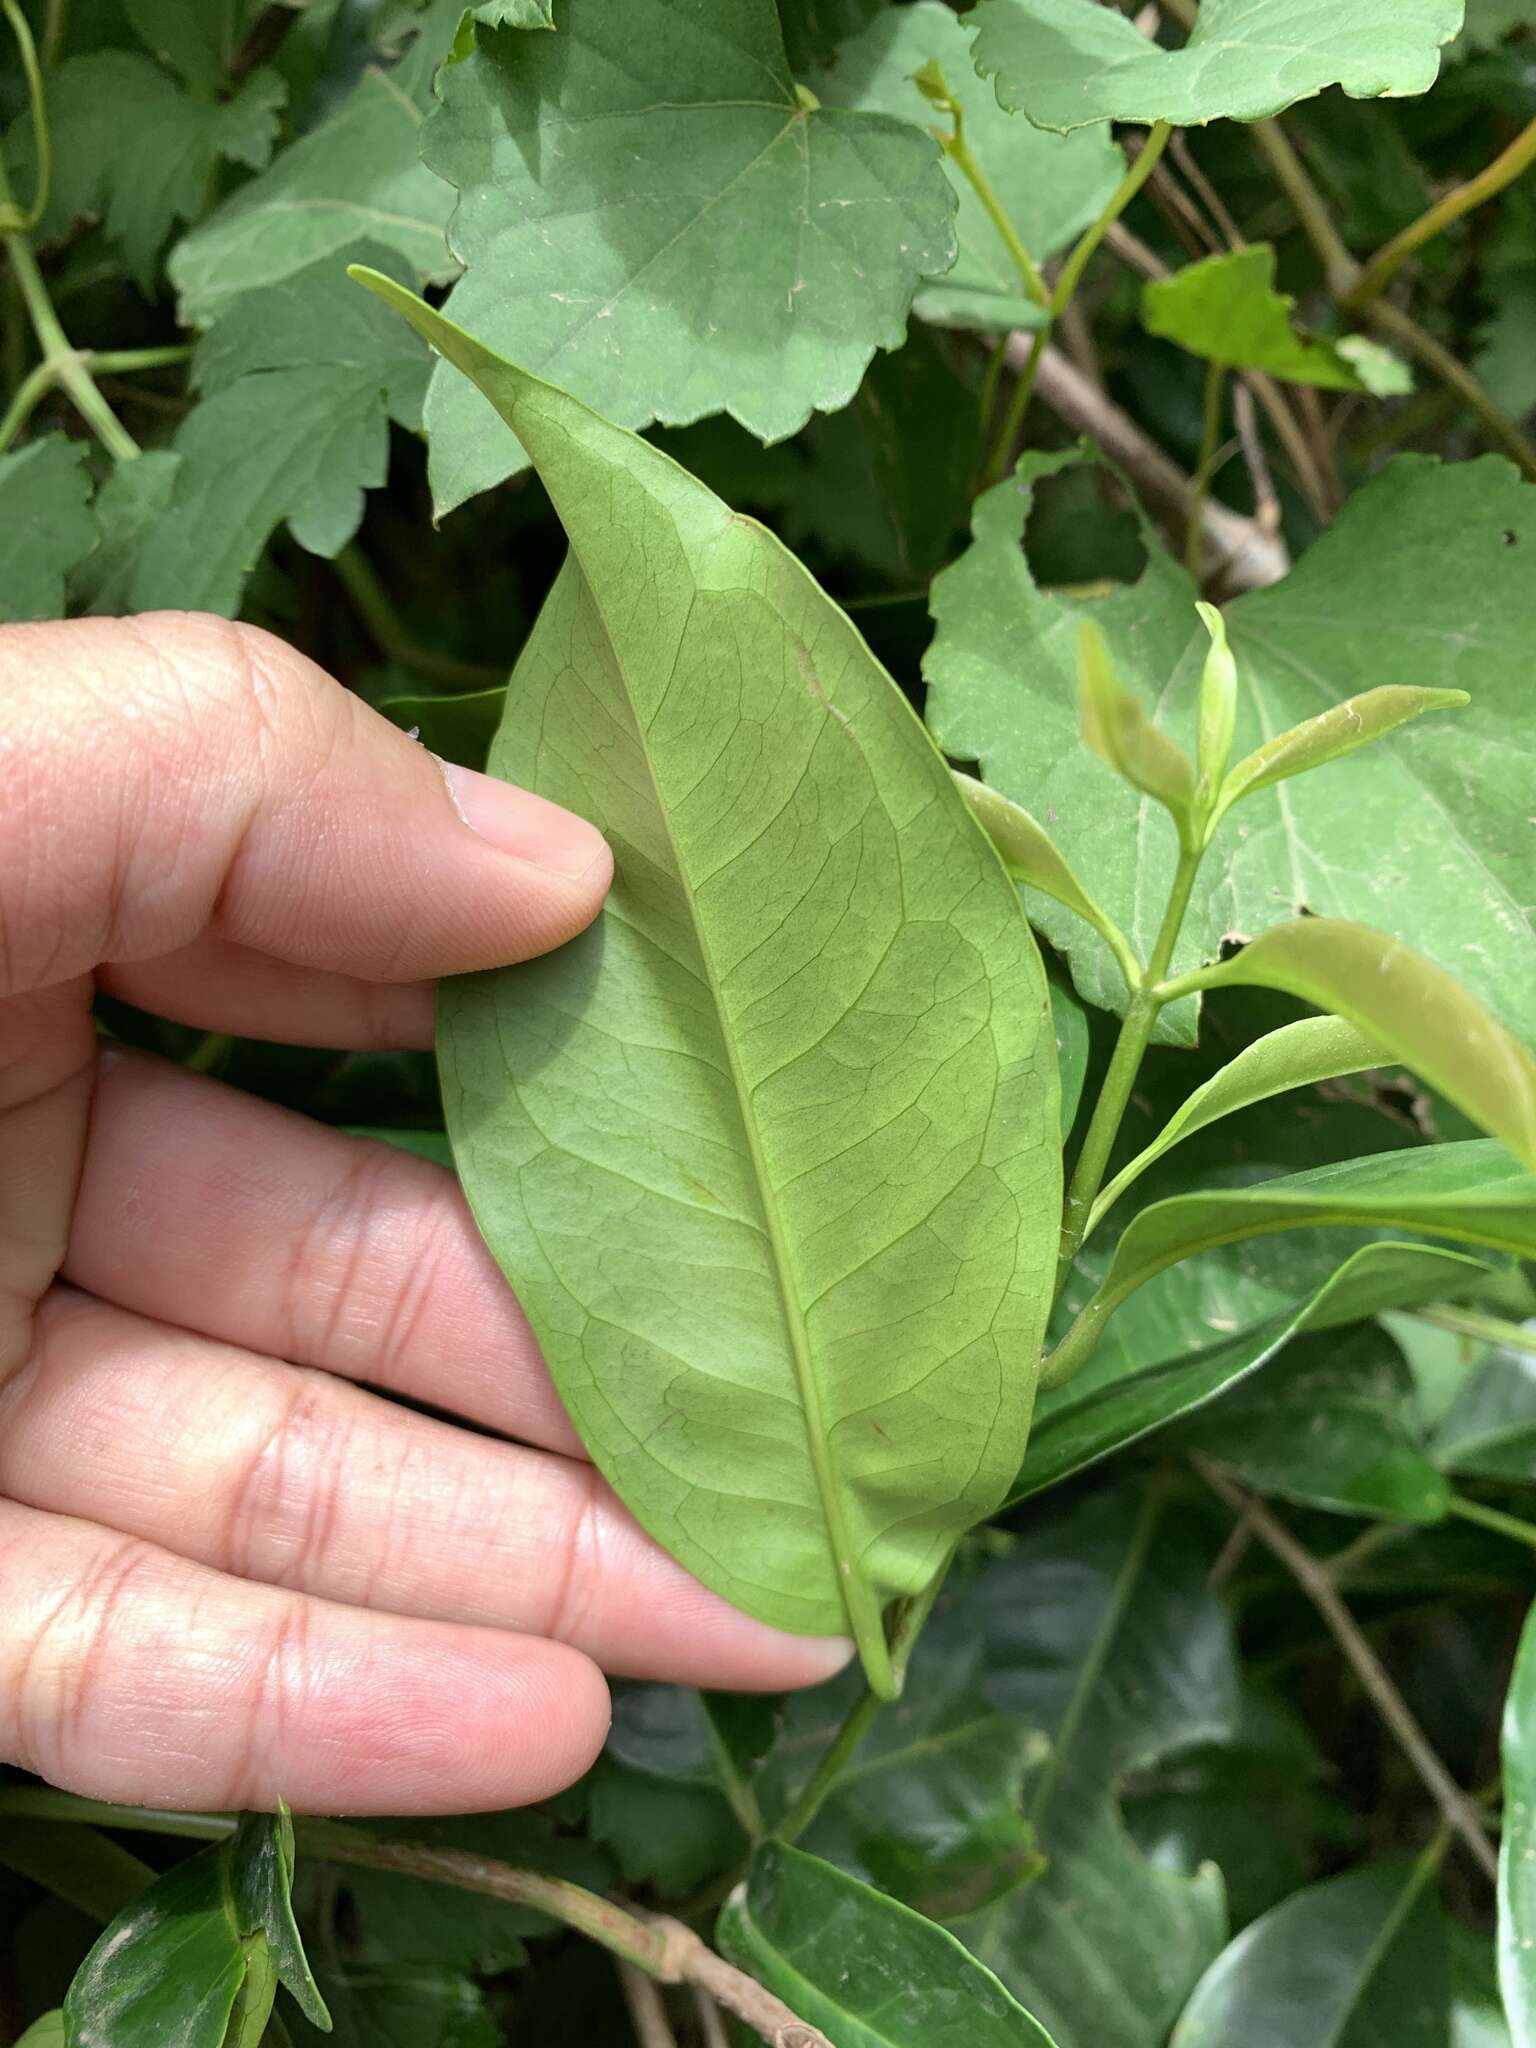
300,381
1050,186
1066,63
1517,1849
1226,309
770,1153
1117,1400
1412,1009
652,215
1332,734
1473,1193
130,144
1356,1962
47,2032
356,177
46,525
1425,833
1296,1056
1030,856
1116,728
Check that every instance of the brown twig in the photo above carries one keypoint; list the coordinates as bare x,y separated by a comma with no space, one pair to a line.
1266,506
1245,556
1457,1810
662,1948
647,2014
711,2026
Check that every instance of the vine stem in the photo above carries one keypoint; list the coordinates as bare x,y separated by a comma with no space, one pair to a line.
1458,1811
1210,434
1389,259
958,149
663,1948
1137,174
42,138
393,638
1472,1322
68,364
1125,1064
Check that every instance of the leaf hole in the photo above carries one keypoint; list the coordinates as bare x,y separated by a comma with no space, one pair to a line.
1081,536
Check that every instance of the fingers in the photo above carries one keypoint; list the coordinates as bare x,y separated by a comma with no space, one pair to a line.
127,1674
215,985
184,773
291,1477
203,1207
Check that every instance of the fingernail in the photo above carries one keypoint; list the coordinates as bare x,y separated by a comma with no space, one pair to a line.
825,1656
518,822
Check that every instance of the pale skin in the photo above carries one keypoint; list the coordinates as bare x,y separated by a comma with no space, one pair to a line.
230,1572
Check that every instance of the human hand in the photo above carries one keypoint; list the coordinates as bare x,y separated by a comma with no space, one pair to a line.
227,1574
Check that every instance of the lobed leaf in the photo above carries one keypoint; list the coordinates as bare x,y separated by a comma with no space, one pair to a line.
771,1153
46,525
1066,63
1050,186
656,217
867,1970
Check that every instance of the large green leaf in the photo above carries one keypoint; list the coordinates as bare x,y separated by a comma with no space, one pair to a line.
300,381
869,1972
650,213
46,527
1517,1849
1356,1962
1066,63
1119,1399
1050,186
131,145
1100,1631
1332,1423
402,2005
771,1153
1424,834
1471,1192
356,177
1226,309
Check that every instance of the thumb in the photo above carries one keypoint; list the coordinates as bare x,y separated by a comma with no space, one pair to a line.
177,774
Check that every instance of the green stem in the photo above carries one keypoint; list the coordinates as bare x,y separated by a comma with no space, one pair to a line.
1339,267
1125,1063
42,1802
29,393
1494,1519
68,364
1210,433
1504,169
55,28
959,151
739,1795
393,637
860,1718
1456,377
1472,1322
1067,283
114,361
43,141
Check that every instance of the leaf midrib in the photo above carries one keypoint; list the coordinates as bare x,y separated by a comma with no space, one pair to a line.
861,1604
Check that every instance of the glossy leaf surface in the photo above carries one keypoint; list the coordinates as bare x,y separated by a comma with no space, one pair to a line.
1226,310
793,1328
869,1972
1414,1010
1473,1193
1066,63
1489,1431
1356,1962
1424,834
1517,1849
765,251
1115,1402
1050,186
1331,1423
